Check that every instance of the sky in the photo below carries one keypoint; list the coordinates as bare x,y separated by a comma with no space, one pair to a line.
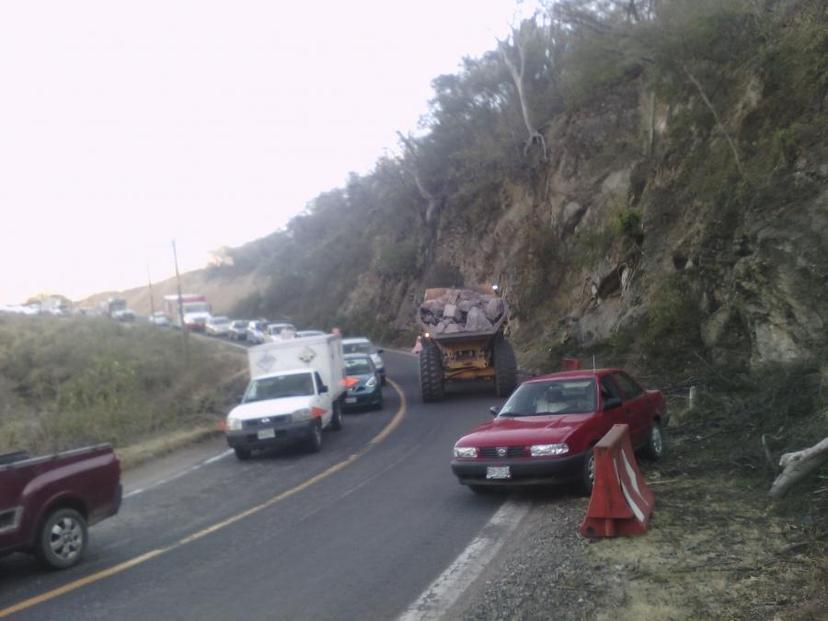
124,126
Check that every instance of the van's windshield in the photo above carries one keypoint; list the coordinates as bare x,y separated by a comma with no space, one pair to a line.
279,387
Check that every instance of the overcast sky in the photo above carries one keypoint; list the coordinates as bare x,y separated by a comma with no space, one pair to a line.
126,125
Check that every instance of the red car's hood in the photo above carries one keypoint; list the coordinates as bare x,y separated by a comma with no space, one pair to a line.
524,431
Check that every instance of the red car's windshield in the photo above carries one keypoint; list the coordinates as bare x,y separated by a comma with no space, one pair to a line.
565,396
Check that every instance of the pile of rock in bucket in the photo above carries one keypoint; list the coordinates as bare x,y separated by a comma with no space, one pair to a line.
462,310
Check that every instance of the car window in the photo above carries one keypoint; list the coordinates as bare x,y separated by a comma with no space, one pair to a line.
359,366
608,389
298,385
628,385
319,382
357,348
569,396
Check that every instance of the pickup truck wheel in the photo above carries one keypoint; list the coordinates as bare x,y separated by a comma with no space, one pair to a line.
588,474
654,449
431,373
336,418
505,365
62,540
314,442
242,453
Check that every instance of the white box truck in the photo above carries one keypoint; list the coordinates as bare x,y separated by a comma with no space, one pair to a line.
296,390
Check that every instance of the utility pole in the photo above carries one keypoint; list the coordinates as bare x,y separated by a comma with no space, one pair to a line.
181,307
152,298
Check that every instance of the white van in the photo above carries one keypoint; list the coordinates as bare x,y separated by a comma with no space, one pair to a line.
296,390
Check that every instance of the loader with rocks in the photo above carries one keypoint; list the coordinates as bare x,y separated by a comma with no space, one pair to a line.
462,339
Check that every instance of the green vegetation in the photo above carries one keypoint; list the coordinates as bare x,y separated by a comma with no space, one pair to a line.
69,382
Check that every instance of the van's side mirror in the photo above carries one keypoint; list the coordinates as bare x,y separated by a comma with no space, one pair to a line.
612,403
494,410
323,389
379,351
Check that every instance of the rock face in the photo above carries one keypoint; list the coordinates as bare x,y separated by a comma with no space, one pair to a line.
452,311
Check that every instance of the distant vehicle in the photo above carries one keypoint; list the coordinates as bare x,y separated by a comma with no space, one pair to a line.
195,311
301,334
256,331
362,345
47,503
296,390
281,330
462,337
545,432
113,306
237,330
218,325
160,319
125,314
366,389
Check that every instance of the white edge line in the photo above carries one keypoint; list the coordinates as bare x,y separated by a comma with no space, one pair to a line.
180,474
444,592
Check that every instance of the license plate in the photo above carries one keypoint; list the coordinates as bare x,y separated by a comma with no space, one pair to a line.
498,472
350,399
264,434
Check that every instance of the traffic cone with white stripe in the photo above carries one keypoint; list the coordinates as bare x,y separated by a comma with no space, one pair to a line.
621,503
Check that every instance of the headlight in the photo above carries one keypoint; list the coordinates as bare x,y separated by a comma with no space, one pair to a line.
234,424
544,450
465,451
303,414
371,382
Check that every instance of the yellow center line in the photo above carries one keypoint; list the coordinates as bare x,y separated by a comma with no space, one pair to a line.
116,569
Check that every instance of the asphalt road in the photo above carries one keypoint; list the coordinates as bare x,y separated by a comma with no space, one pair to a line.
357,531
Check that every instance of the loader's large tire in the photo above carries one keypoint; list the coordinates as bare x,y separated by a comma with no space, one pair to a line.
505,365
431,373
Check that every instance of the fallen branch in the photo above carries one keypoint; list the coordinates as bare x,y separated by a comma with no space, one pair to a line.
796,466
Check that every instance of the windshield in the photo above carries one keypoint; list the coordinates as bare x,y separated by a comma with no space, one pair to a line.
575,396
299,385
196,307
359,366
357,348
219,320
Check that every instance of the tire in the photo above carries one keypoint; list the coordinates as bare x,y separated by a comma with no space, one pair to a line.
432,387
380,403
314,441
505,365
654,449
62,540
336,418
588,474
242,454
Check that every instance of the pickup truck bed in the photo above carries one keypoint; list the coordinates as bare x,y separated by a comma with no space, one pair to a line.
47,503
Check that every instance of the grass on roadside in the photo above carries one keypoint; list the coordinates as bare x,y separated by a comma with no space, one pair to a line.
69,382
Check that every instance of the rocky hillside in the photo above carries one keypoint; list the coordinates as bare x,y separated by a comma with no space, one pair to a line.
661,186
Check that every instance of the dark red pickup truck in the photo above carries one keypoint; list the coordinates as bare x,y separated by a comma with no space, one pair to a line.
545,432
47,503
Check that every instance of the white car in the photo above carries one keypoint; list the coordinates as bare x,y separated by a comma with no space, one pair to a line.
281,330
303,334
362,345
217,325
160,319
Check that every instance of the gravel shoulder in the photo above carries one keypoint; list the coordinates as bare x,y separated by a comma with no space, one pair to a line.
715,549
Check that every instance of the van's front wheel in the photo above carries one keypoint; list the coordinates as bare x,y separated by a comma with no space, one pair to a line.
314,441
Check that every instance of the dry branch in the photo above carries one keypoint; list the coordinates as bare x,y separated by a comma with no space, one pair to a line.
796,466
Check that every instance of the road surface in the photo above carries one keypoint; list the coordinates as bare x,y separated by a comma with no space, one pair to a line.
357,531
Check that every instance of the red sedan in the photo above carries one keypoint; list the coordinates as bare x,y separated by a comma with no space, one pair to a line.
545,432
